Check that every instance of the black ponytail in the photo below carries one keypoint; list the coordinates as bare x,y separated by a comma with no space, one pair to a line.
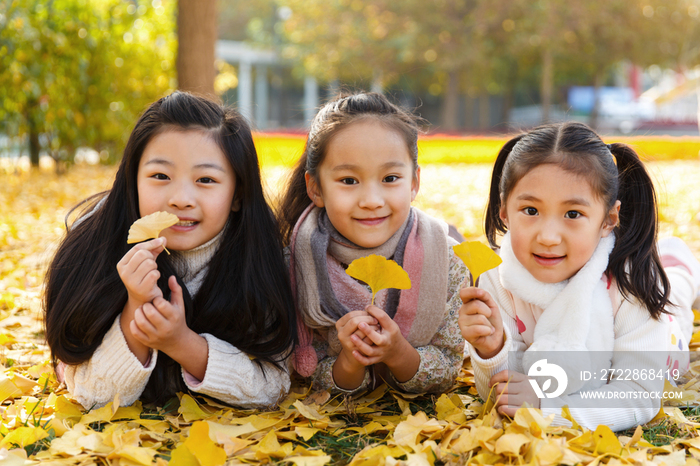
635,262
493,223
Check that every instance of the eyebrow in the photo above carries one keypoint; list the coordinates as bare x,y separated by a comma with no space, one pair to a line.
573,201
169,163
349,166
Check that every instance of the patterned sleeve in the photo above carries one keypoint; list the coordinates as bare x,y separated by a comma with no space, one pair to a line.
441,360
323,376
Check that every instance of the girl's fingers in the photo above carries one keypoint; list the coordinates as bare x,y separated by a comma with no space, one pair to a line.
501,377
343,321
382,317
138,333
154,316
363,347
176,296
351,325
146,317
471,293
151,246
143,322
475,307
477,331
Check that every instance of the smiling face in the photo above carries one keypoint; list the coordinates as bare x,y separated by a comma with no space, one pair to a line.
366,182
555,222
186,173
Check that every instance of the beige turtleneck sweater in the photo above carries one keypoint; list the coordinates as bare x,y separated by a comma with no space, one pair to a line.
231,376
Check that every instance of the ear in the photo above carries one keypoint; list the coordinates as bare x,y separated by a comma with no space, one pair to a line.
236,204
313,190
415,184
611,220
503,214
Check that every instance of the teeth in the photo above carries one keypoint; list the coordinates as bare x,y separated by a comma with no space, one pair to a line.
184,223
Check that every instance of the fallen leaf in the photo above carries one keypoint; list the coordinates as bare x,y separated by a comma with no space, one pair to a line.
190,410
201,446
510,444
309,460
182,456
379,273
150,226
478,257
307,411
23,436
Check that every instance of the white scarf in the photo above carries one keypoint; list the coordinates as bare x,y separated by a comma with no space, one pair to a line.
578,314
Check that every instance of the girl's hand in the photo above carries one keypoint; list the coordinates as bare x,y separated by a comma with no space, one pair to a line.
480,322
161,325
348,327
348,372
512,389
139,272
388,346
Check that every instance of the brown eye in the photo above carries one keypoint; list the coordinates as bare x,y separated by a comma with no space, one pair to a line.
573,214
530,211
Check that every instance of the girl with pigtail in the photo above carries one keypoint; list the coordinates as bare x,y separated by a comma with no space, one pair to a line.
583,284
350,197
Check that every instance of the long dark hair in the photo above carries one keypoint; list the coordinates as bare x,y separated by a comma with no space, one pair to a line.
634,261
331,118
245,298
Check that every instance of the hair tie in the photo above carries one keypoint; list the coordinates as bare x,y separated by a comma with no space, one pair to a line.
609,147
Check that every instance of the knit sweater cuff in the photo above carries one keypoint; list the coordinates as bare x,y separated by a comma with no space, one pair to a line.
122,363
232,377
112,369
496,363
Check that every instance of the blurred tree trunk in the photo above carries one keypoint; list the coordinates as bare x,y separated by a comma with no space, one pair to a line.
450,108
33,132
484,112
197,33
595,111
547,82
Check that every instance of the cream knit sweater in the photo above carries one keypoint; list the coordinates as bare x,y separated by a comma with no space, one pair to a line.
634,332
231,376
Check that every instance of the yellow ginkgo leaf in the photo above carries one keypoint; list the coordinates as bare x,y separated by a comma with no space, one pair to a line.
379,273
150,226
477,257
201,446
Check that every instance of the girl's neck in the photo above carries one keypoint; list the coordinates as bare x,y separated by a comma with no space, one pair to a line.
191,264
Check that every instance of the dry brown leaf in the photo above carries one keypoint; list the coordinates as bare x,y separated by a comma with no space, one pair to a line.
150,226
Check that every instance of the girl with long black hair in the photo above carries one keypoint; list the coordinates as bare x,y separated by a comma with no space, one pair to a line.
215,316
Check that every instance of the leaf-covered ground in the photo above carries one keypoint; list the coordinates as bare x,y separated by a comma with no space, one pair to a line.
40,423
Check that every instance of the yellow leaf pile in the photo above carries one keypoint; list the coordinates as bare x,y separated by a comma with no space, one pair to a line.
41,424
478,258
379,273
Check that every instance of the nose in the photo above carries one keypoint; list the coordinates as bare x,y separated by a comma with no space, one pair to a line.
549,234
181,197
371,197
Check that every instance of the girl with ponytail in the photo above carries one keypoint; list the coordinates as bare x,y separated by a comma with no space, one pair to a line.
582,286
349,197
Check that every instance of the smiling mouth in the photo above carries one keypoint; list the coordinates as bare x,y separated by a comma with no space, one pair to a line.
186,223
548,260
371,221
